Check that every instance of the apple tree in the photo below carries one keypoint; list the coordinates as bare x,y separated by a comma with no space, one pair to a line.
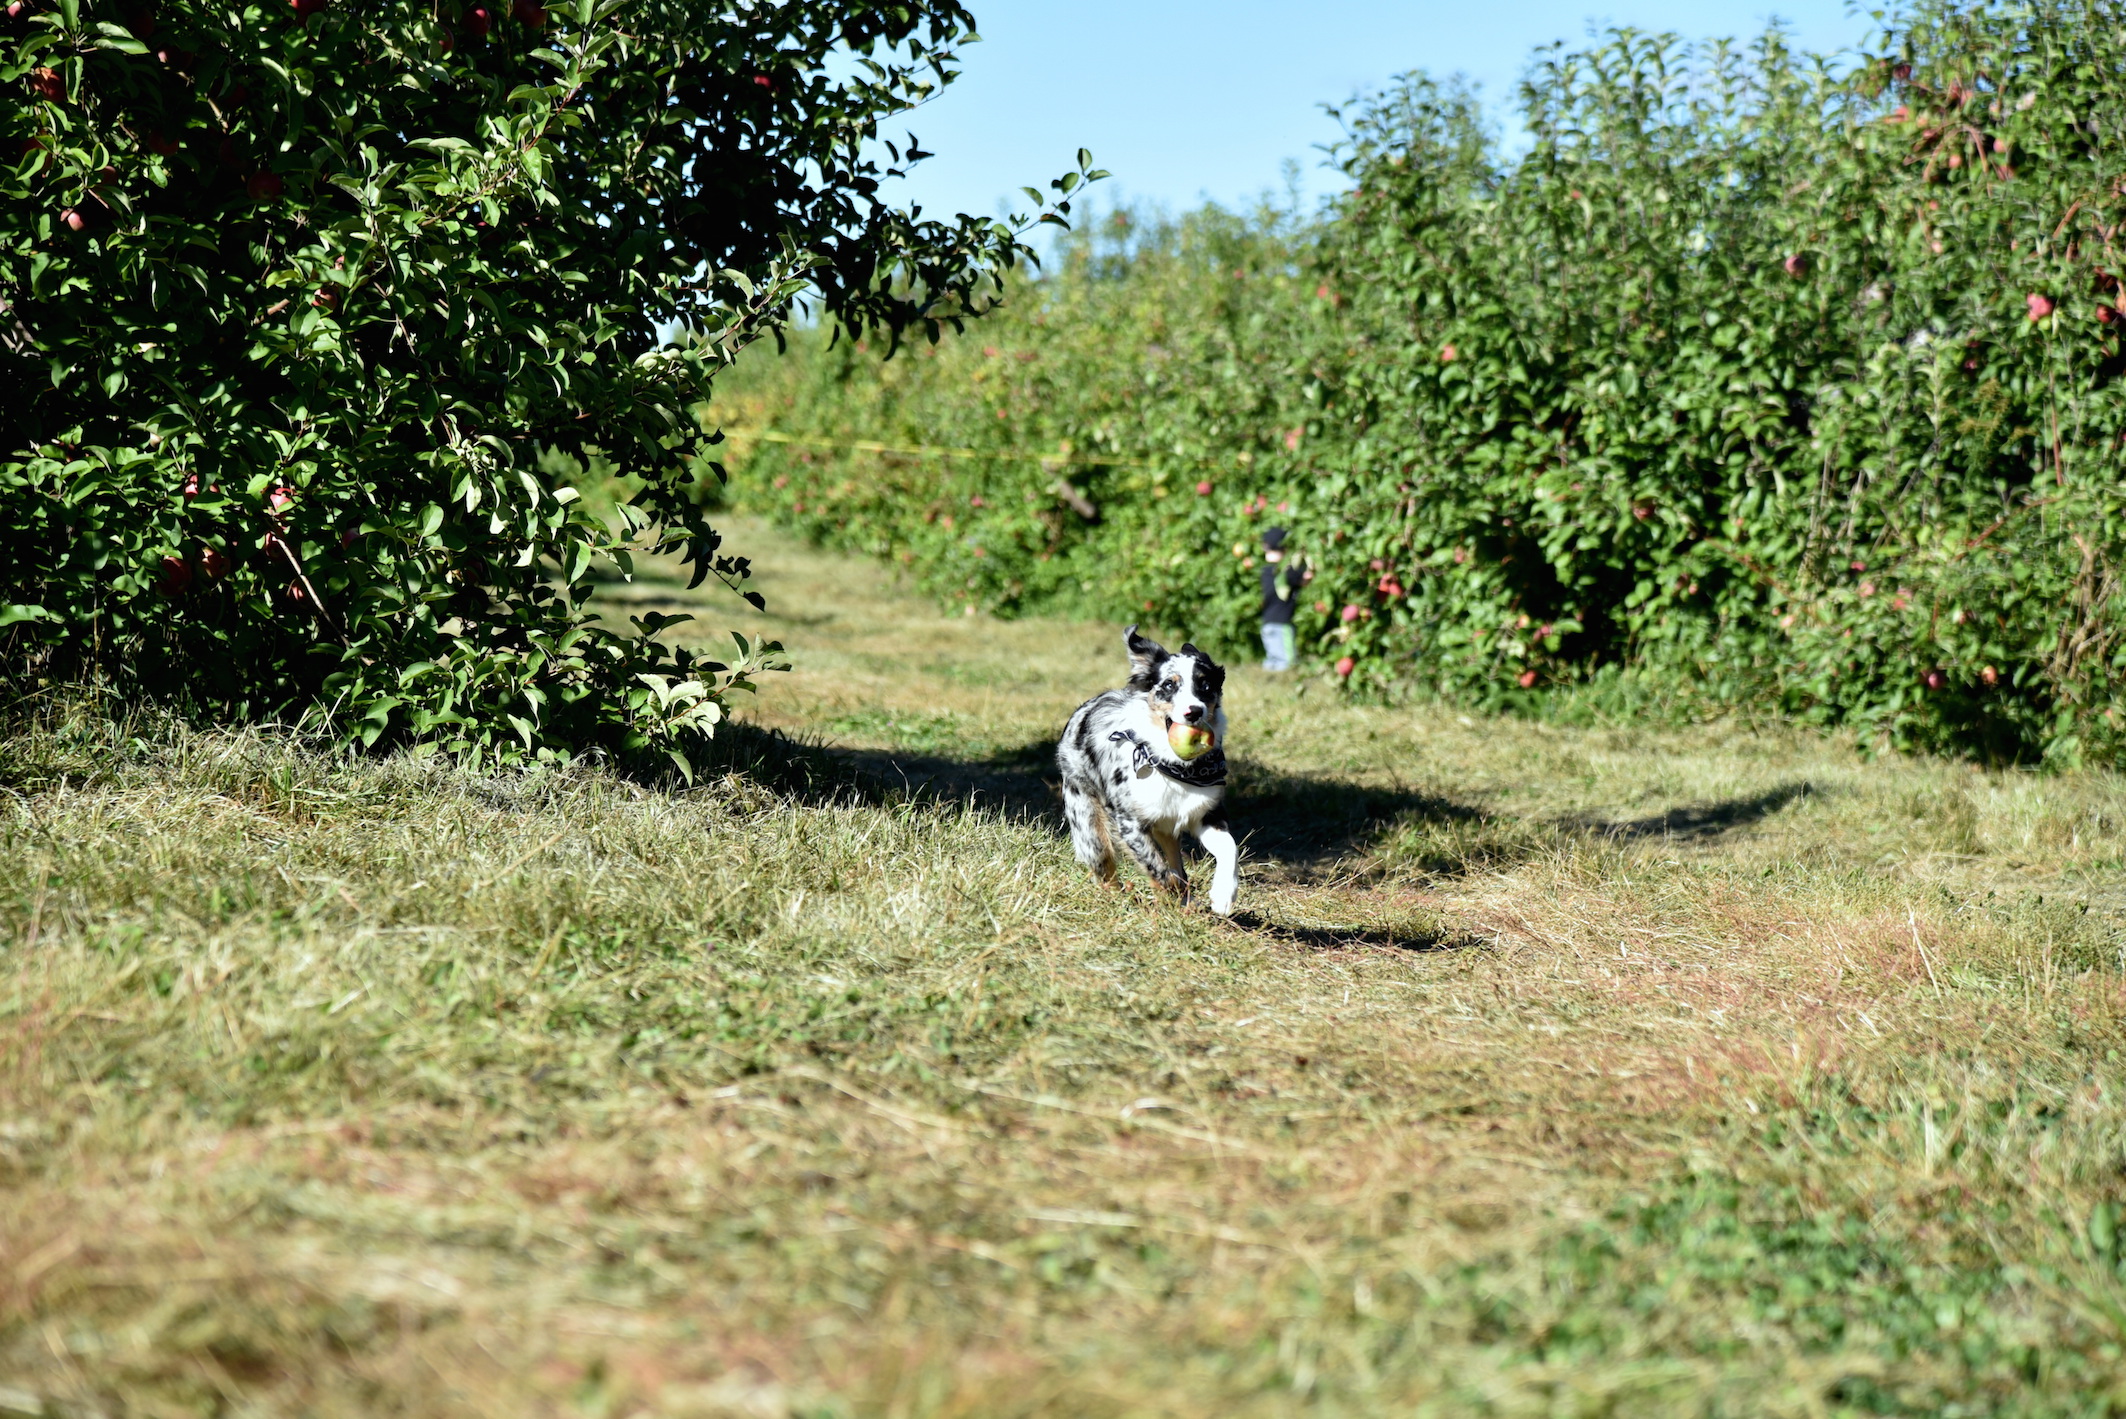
293,297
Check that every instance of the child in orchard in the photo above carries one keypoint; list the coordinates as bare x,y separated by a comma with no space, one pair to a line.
1281,581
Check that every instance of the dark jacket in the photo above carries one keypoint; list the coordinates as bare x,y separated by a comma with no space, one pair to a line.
1281,585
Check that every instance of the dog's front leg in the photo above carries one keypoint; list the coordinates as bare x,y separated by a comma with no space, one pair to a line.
1217,839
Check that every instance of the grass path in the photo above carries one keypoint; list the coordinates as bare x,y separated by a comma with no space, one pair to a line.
1548,1071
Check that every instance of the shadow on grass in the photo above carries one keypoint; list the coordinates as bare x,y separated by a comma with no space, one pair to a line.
1293,818
1309,822
1009,782
1700,821
1310,825
1345,938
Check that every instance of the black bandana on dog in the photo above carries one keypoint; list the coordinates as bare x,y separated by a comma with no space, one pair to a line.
1205,772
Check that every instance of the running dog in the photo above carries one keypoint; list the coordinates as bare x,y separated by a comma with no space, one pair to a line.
1146,763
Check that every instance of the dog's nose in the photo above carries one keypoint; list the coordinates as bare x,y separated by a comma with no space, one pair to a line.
1193,713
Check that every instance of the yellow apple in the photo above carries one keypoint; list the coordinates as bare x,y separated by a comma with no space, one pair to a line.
1187,740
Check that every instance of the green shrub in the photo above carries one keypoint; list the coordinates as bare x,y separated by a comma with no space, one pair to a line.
1772,383
1050,459
305,308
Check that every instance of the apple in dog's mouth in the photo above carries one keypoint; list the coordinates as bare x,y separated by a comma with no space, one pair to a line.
1188,740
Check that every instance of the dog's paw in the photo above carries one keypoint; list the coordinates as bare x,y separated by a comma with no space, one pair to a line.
1174,885
1222,901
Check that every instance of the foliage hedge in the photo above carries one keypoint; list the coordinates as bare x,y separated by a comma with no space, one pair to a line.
304,308
1759,377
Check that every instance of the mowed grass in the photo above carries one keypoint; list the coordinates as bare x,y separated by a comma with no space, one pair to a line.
1546,1072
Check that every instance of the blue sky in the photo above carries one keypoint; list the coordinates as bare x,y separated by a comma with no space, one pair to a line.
1185,100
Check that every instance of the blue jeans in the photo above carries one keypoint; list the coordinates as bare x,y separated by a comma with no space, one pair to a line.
1276,645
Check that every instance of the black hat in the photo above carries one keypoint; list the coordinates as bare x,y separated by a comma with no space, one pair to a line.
1272,538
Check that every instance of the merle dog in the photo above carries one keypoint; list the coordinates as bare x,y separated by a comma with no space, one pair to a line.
1123,781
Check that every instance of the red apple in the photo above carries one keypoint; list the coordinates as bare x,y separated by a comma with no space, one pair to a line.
1797,264
263,186
1448,354
17,9
1934,679
478,22
1203,489
191,487
2038,305
160,145
1350,614
73,219
2107,314
1345,666
48,85
764,82
279,498
176,577
214,562
1990,675
1527,679
1389,586
529,13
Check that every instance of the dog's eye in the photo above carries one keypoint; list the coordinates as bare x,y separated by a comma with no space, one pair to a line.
1169,687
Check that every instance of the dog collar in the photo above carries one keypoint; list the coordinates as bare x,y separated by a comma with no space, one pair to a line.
1206,772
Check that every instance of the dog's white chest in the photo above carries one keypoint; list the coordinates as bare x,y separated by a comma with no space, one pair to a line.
1155,798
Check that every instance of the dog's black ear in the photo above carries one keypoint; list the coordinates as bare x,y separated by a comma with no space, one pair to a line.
1210,676
1144,656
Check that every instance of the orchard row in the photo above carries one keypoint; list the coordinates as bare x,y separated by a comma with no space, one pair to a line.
1757,381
